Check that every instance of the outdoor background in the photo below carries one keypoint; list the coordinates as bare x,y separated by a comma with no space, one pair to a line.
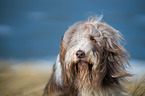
31,30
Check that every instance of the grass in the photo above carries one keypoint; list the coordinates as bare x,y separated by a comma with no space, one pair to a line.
136,86
22,80
30,78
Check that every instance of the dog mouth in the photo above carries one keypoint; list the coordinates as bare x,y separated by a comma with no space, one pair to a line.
83,64
82,60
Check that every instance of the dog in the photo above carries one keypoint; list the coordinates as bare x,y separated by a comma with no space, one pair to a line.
91,62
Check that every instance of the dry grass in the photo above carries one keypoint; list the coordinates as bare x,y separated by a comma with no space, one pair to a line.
23,80
136,86
30,78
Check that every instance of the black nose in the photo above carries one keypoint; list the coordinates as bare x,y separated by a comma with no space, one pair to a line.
80,54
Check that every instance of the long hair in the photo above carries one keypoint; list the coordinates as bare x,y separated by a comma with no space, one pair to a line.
106,62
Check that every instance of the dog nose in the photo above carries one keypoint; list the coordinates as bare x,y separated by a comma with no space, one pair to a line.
80,54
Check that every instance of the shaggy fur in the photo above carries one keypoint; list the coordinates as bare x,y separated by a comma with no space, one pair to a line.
101,69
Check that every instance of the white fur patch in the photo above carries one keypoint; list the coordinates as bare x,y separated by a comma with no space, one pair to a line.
58,72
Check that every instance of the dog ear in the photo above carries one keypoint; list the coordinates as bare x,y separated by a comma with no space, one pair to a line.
113,67
114,57
117,55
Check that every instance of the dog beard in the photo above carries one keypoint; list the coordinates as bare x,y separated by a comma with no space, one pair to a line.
83,74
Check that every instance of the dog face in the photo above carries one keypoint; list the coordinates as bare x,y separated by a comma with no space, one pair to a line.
89,39
91,53
82,45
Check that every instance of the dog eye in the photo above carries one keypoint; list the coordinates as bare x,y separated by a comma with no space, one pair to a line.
92,39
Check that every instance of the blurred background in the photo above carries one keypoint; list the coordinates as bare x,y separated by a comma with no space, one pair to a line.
31,30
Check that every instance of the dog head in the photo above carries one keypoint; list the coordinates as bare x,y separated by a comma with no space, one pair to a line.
93,48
